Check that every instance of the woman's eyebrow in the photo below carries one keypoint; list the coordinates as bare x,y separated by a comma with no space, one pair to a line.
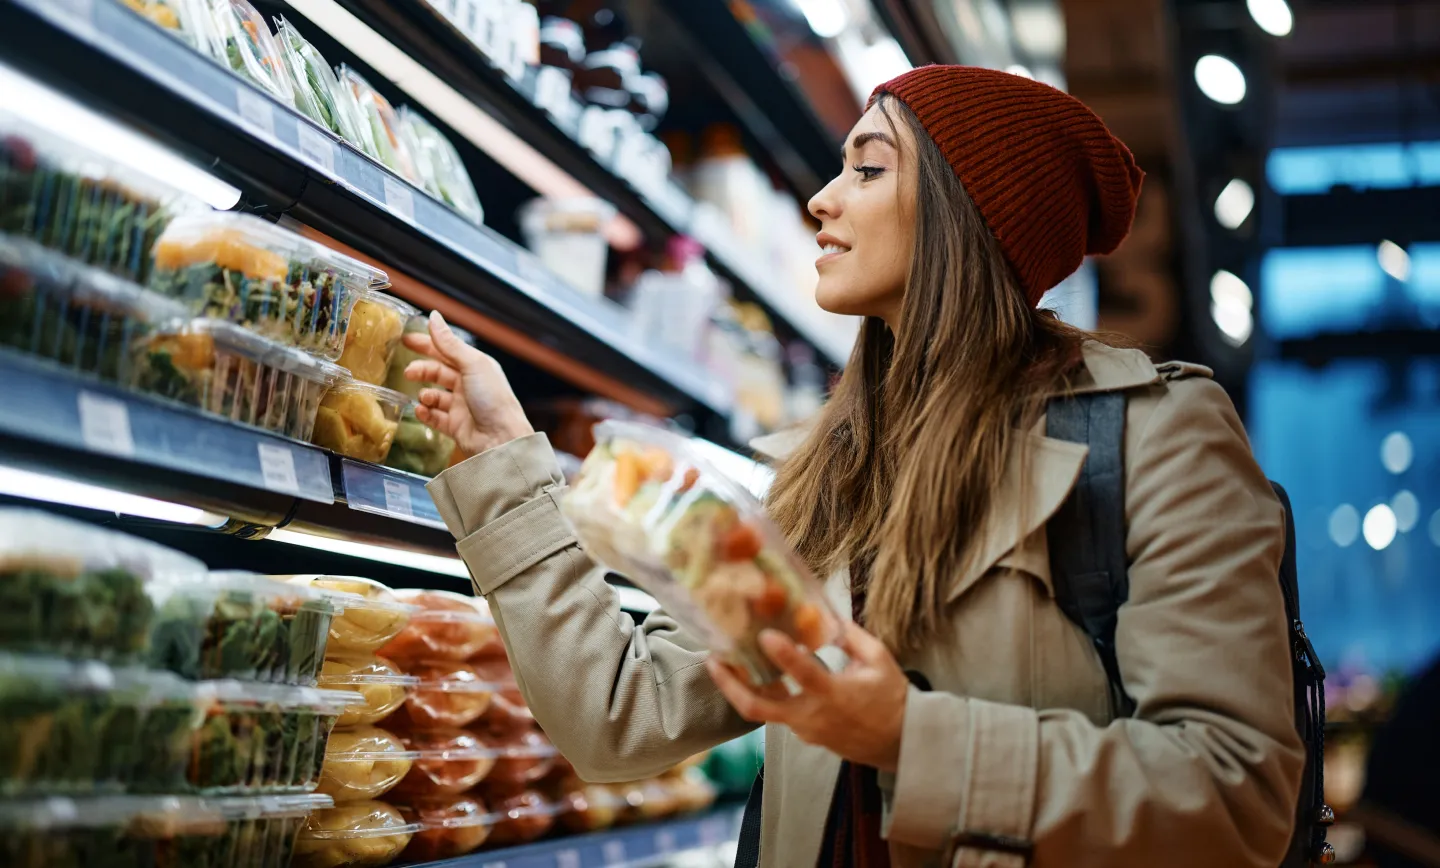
864,139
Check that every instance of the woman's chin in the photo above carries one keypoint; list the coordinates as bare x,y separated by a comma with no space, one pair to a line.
844,301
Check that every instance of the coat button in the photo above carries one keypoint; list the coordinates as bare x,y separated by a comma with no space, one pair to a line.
1326,816
1327,854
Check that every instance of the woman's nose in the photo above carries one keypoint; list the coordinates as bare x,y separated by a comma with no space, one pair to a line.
825,204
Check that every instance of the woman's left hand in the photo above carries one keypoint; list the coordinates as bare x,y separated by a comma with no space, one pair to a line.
858,712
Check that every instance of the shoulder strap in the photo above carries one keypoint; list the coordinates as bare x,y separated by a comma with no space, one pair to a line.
1088,562
747,853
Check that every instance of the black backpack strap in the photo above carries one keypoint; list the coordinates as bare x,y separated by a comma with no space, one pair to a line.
747,851
1088,562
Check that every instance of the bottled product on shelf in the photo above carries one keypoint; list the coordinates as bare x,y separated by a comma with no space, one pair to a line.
358,420
673,309
568,237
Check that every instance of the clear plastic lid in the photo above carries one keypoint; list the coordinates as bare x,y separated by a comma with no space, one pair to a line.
365,671
448,626
231,693
255,247
35,540
246,44
235,339
359,820
385,141
167,814
359,420
386,397
649,505
381,682
369,621
404,308
87,286
267,807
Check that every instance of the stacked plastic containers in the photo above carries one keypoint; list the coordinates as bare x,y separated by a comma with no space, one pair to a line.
151,712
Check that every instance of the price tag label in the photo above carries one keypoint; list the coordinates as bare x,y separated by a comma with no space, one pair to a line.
397,499
317,147
105,425
614,852
277,468
399,199
567,859
493,865
255,110
665,841
78,13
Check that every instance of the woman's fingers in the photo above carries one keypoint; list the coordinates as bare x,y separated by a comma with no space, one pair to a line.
747,703
808,672
449,345
437,419
438,399
431,371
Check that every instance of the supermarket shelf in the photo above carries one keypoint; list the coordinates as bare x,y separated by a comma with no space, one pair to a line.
623,848
548,119
387,492
160,82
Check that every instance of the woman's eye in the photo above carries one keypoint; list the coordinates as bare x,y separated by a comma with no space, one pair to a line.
869,173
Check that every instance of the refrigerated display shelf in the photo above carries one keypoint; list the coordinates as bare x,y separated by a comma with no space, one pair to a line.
276,154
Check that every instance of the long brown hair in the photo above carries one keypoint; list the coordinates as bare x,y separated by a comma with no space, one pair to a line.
897,475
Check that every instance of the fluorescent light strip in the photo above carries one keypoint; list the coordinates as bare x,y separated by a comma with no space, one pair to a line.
448,104
58,114
54,489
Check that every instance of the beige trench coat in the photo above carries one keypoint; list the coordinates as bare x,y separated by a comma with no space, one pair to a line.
1017,737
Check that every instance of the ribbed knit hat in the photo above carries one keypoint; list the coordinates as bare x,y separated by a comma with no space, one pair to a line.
1052,182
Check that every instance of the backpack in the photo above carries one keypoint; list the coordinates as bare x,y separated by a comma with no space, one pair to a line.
1089,568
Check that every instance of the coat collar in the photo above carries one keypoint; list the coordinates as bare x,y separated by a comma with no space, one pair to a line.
1041,471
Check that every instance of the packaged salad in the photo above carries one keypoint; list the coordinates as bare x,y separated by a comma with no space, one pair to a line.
445,626
358,420
384,143
245,270
450,761
68,727
649,506
364,762
259,832
109,831
262,738
442,173
358,835
317,90
376,326
225,370
244,43
71,589
189,20
448,693
368,622
73,199
379,681
418,448
54,308
451,826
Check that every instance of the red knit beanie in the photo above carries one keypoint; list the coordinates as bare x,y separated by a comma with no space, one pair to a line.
1052,182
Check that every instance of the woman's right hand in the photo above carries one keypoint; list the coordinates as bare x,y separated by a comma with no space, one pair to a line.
480,410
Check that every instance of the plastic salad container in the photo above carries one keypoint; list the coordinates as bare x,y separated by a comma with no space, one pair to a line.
418,448
260,831
263,738
244,43
450,761
109,831
188,20
240,268
384,143
376,326
442,173
358,420
379,681
446,626
358,835
68,727
74,199
649,506
239,625
448,693
364,762
521,818
451,826
54,308
71,589
368,622
587,807
524,758
317,90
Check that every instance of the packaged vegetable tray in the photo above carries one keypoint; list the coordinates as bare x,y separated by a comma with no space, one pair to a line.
418,448
384,143
317,91
364,762
259,832
358,420
451,826
358,835
262,738
71,589
376,326
244,43
73,199
442,173
368,622
53,308
188,20
239,625
110,832
445,626
379,681
245,270
649,506
225,370
68,727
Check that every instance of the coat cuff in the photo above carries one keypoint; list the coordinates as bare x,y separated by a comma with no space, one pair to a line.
481,489
968,768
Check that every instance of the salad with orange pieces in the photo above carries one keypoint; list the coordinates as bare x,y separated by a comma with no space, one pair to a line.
648,505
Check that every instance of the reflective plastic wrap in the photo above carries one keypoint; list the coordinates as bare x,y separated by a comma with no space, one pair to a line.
244,43
111,831
384,143
358,835
376,326
364,762
358,420
446,626
373,614
379,681
317,90
442,173
452,826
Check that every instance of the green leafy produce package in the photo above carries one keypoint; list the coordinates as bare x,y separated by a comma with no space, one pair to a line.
244,43
318,93
84,319
248,271
188,20
71,589
441,170
70,197
385,143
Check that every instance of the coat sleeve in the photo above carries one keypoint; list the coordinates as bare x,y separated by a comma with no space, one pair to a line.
1208,770
620,700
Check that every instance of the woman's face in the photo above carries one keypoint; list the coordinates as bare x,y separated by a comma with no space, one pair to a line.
867,222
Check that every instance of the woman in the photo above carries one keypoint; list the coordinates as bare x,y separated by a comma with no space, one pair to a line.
922,490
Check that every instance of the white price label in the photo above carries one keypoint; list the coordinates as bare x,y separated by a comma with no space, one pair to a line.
255,109
105,425
397,499
567,859
317,147
399,199
614,852
277,468
493,865
665,841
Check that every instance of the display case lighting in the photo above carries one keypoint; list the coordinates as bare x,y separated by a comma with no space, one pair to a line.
43,487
